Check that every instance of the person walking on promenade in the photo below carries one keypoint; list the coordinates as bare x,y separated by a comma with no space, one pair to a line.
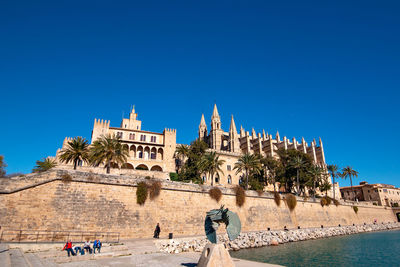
157,231
68,248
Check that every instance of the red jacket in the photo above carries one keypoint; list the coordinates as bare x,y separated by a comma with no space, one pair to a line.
68,245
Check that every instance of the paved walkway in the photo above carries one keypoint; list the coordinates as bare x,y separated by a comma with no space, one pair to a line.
136,252
188,259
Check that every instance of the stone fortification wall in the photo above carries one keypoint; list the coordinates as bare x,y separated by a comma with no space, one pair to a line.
93,202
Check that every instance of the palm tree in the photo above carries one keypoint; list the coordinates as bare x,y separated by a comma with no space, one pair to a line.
270,165
316,173
76,150
44,165
350,172
182,152
297,163
334,171
248,163
325,185
107,149
211,164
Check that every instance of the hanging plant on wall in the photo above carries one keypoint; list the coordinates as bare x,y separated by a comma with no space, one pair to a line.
277,198
141,193
291,201
215,193
154,189
240,195
355,208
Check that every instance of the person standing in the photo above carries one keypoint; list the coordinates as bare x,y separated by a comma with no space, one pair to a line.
157,231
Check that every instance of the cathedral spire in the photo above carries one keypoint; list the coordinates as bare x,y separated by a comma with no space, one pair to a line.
232,128
202,128
278,138
215,112
202,121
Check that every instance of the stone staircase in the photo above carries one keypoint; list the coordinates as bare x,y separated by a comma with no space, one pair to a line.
107,251
16,258
54,256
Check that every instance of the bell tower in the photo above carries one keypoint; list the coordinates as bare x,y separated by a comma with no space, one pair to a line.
216,131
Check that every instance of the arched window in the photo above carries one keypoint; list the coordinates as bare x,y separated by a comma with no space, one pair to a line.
217,179
153,153
140,152
131,136
229,179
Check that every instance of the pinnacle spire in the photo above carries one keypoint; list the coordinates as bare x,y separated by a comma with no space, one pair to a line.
215,112
232,128
202,121
278,138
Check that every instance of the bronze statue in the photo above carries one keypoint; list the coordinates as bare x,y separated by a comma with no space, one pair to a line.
217,216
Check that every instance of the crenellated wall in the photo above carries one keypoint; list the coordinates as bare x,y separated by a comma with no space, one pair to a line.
93,202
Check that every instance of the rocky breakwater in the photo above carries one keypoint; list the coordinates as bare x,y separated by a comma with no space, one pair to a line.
268,238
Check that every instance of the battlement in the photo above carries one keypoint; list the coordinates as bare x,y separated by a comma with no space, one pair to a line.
101,123
169,130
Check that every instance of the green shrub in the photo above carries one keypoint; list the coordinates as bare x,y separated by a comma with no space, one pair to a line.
141,193
173,176
147,177
256,185
240,195
374,203
395,205
66,178
277,198
355,208
154,189
215,193
291,201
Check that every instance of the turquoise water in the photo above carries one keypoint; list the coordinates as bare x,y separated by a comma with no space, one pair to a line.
367,249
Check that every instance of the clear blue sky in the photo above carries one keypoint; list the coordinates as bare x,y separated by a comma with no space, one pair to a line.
305,68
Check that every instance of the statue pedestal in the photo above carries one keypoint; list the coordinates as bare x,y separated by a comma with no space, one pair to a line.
215,255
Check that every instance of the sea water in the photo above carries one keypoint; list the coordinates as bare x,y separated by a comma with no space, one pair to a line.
366,249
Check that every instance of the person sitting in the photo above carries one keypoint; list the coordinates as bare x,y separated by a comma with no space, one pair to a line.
68,248
76,249
87,247
96,244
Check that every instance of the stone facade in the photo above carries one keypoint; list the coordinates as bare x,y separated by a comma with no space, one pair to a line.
147,150
107,203
381,194
231,145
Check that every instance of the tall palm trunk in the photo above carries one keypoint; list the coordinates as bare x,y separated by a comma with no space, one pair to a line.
333,177
298,183
108,166
247,180
314,190
352,189
212,179
75,163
